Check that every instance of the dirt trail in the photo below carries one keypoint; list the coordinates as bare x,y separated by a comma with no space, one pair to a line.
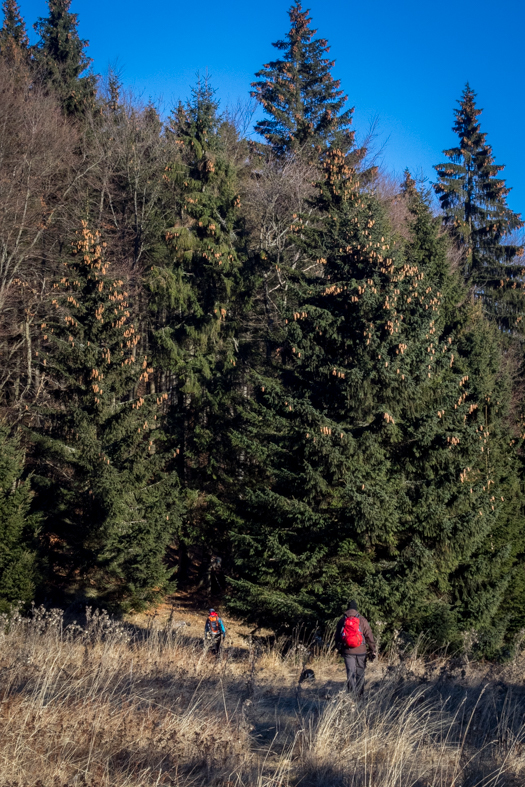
192,609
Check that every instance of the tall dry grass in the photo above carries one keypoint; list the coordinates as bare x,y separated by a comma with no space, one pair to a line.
105,703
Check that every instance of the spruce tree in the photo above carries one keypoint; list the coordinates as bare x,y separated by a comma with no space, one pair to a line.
113,505
486,577
369,434
14,43
299,94
474,203
60,59
194,298
18,526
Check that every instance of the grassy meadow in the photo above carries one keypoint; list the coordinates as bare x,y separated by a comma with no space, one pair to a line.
102,703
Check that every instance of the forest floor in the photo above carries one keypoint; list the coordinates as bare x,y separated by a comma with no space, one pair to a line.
137,703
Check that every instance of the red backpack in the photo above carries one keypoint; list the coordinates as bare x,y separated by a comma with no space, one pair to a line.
213,620
352,636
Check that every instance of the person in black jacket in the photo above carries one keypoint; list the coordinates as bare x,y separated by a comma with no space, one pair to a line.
355,657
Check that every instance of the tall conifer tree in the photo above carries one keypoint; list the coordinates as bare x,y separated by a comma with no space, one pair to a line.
113,506
14,43
369,435
474,203
194,297
304,102
489,575
61,60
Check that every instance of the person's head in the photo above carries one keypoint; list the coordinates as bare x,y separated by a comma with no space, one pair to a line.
352,605
212,612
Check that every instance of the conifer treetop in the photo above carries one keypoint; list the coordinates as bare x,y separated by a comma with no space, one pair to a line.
301,96
474,202
473,198
196,123
61,58
14,42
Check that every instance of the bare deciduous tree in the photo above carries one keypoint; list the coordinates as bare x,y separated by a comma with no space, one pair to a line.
273,193
129,189
40,167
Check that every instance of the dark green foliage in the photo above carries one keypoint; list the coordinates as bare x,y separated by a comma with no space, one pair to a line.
304,102
372,432
474,203
17,526
202,240
60,60
114,509
194,291
194,297
14,43
483,581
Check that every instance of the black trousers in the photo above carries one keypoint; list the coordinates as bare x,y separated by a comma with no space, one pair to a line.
355,673
214,644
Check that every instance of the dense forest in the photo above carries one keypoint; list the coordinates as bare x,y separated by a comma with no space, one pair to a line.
249,359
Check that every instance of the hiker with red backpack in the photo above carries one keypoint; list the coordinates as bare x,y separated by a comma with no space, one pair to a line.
353,637
214,632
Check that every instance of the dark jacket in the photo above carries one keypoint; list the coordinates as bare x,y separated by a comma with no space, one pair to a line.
366,631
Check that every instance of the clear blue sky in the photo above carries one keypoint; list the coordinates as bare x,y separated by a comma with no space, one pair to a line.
404,62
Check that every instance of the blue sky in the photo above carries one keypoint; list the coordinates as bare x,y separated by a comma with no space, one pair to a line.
404,63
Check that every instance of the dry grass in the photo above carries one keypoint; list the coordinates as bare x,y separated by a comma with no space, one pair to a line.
108,703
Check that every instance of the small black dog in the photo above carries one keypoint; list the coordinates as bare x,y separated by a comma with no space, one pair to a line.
307,675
